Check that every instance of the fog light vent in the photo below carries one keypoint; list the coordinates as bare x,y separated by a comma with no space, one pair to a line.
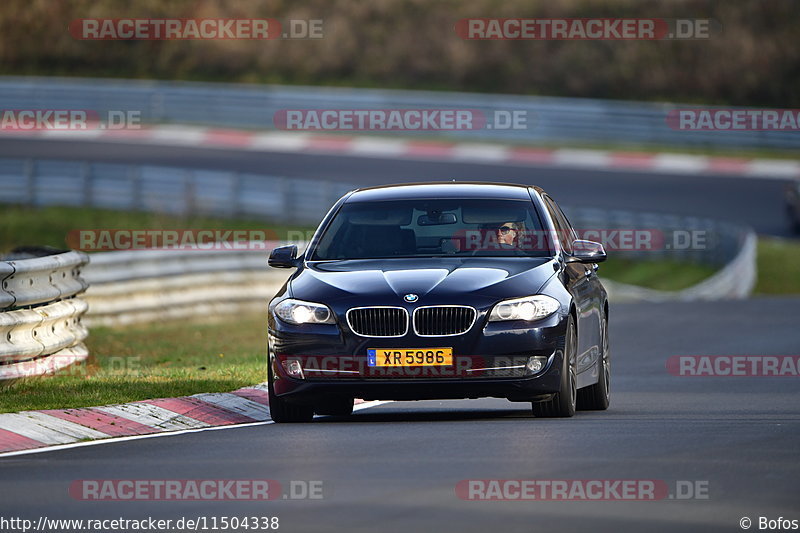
536,364
293,368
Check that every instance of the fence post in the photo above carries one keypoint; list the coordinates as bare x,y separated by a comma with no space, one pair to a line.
135,176
189,199
30,181
88,184
236,195
286,199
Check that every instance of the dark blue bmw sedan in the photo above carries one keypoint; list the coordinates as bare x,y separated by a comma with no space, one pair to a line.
437,291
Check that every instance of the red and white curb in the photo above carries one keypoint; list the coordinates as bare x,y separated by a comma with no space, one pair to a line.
30,430
468,152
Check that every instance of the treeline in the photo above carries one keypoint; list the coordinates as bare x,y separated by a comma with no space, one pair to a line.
412,44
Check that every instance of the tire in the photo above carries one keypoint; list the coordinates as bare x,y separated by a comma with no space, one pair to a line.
282,411
562,404
598,396
335,407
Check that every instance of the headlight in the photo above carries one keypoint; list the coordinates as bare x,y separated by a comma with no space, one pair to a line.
300,312
529,308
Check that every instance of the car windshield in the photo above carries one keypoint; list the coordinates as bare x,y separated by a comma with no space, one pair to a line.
433,228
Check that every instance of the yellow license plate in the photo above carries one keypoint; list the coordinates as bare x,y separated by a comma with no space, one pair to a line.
409,356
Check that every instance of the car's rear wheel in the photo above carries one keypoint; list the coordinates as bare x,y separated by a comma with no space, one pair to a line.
282,411
562,404
335,407
598,396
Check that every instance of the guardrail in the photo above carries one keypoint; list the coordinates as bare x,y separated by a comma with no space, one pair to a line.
41,328
169,190
724,245
148,285
677,238
550,120
734,281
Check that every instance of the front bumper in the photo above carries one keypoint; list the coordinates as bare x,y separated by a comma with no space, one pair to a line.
488,361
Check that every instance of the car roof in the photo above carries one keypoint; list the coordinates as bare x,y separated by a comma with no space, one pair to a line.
443,189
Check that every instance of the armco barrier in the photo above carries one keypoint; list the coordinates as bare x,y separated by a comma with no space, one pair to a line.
550,120
148,285
674,238
729,247
170,190
41,329
43,279
734,281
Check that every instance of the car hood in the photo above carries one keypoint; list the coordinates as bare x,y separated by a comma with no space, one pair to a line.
434,280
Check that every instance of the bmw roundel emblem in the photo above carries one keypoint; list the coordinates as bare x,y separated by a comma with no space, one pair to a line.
411,298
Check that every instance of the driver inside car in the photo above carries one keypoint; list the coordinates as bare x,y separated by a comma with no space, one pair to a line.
507,235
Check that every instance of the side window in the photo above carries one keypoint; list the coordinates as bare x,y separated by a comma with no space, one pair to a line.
564,231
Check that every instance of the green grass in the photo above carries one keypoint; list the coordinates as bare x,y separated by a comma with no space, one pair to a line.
778,266
159,360
660,275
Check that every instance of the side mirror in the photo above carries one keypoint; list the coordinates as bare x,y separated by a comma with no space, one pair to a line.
587,252
284,257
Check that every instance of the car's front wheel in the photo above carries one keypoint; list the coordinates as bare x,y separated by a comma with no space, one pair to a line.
562,404
282,411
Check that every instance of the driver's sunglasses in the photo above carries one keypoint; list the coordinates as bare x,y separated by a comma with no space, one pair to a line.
505,229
